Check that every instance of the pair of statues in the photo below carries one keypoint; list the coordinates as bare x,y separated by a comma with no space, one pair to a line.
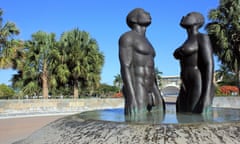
136,55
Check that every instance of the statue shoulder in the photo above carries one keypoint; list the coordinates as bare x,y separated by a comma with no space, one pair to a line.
203,38
126,38
206,50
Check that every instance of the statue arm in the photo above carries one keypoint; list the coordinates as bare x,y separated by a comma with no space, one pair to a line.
158,97
125,56
207,65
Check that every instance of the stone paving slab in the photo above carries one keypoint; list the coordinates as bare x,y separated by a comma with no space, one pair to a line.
73,129
14,129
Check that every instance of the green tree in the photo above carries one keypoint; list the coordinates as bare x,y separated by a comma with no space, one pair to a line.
224,76
95,61
60,72
158,77
37,67
6,92
106,90
221,72
8,46
224,32
84,60
118,82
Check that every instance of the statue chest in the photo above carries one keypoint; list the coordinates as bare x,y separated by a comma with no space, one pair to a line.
144,47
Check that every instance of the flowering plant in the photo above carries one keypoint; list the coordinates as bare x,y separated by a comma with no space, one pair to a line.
229,90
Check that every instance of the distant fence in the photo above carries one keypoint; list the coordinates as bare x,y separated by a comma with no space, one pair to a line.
12,108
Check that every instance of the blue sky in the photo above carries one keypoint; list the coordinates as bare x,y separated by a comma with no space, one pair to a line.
105,21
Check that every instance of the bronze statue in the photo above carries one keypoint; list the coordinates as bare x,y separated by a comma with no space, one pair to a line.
196,61
136,55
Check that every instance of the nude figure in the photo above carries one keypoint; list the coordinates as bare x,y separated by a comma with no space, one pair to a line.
196,61
136,55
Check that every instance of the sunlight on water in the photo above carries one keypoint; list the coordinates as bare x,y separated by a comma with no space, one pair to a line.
157,117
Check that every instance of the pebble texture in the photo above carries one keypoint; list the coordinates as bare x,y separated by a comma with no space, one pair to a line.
74,130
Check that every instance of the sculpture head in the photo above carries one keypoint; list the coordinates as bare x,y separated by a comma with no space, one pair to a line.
192,19
138,16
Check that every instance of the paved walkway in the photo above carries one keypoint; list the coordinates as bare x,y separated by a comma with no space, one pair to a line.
15,129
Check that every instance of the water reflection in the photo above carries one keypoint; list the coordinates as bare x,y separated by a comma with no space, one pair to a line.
154,117
158,117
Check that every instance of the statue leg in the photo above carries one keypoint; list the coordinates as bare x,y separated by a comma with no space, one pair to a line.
194,88
142,97
205,102
181,102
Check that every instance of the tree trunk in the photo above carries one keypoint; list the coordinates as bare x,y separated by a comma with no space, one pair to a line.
75,90
91,91
44,82
45,87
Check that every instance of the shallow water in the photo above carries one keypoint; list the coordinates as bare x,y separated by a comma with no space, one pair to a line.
216,115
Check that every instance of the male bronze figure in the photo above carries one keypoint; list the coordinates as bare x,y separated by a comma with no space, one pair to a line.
196,61
136,55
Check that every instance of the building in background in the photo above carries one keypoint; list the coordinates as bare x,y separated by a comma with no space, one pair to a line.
170,85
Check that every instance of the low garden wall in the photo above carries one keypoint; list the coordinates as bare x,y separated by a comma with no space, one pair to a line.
227,102
13,108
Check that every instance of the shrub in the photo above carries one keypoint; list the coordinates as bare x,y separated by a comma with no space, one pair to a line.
118,95
6,92
229,90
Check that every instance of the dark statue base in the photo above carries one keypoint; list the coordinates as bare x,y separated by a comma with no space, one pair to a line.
82,129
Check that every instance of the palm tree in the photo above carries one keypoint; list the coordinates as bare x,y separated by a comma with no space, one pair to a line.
60,71
84,61
158,77
118,81
224,32
27,80
224,76
39,59
95,61
221,73
8,46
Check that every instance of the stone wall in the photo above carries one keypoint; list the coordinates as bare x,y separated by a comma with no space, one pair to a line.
55,106
227,102
13,108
